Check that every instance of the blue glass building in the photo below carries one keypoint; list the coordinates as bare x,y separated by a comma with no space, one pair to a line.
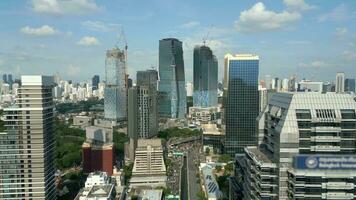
115,92
95,82
172,100
242,102
349,85
205,77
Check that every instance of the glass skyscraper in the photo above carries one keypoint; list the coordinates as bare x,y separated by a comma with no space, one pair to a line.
115,89
205,77
172,103
242,102
95,82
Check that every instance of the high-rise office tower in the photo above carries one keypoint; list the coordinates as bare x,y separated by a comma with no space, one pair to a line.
305,151
4,78
147,86
10,81
172,79
268,82
340,82
242,102
205,77
350,85
95,82
143,109
27,147
115,88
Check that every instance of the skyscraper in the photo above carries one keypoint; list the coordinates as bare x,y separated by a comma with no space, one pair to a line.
172,81
205,77
4,78
350,85
27,146
115,88
340,82
95,82
242,102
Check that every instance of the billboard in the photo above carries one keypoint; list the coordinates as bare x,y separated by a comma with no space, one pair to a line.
325,162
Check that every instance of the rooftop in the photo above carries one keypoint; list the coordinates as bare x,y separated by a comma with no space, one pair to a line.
149,142
151,194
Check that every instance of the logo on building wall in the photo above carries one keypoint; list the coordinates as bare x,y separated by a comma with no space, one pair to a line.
311,162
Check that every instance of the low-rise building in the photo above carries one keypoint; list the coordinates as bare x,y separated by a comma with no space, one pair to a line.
149,168
98,186
151,195
199,115
210,186
213,137
81,121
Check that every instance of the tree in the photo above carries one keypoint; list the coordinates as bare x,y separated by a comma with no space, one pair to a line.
218,168
207,151
201,196
224,158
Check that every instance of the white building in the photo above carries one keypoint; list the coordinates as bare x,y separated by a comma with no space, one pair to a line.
149,168
211,187
98,186
310,86
189,88
340,82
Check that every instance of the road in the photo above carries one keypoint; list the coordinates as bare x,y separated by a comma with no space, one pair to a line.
192,170
184,181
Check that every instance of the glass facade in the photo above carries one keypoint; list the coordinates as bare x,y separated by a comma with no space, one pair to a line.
172,102
242,102
115,90
349,85
205,78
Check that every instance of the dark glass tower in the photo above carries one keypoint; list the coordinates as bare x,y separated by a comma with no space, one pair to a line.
349,85
95,82
205,77
242,102
172,103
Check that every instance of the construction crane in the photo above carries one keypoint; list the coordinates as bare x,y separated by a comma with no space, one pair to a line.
206,37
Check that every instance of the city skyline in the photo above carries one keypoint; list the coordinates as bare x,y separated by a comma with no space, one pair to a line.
71,37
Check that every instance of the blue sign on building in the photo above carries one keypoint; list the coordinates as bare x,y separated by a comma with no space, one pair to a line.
325,162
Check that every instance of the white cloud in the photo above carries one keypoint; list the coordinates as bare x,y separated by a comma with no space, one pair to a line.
339,13
348,55
89,41
62,7
44,30
258,19
341,31
190,24
297,5
73,70
315,64
101,26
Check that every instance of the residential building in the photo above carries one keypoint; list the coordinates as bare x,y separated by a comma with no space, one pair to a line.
242,102
149,168
172,79
147,82
340,82
27,147
313,128
115,89
205,77
350,85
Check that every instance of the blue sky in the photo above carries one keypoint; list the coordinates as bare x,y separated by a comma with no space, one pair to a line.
312,39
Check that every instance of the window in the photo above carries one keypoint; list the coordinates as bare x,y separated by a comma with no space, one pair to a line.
348,114
303,114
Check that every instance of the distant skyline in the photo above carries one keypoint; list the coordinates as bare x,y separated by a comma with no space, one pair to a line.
308,38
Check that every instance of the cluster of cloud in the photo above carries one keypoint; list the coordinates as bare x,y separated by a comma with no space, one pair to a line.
44,30
190,24
88,41
258,18
65,7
